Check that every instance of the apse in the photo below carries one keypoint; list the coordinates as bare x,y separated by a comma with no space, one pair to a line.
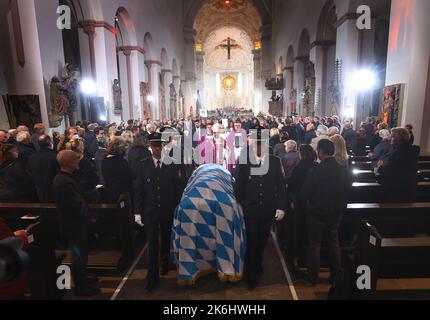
228,69
228,35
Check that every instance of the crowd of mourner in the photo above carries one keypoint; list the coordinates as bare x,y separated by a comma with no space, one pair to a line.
308,174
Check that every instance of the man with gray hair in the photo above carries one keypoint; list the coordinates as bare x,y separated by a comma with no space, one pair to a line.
322,134
333,131
22,128
25,148
383,150
398,175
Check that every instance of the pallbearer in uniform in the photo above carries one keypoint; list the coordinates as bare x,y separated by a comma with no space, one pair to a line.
261,191
159,187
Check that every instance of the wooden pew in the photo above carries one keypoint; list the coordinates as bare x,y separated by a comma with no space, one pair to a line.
394,219
371,192
44,260
369,175
358,159
391,258
422,165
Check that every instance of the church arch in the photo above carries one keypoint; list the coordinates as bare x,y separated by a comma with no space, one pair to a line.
125,25
304,46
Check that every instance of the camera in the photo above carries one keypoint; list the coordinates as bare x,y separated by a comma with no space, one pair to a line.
13,260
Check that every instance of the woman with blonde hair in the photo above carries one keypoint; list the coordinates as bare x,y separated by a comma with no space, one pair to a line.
76,145
275,138
341,153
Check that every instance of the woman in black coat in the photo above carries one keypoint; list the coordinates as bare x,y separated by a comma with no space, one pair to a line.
86,175
308,158
16,184
116,171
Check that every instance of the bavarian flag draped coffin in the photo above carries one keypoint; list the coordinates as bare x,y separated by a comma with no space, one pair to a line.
209,229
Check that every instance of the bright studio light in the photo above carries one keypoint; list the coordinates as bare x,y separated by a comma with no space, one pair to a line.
88,87
364,80
103,118
150,98
349,112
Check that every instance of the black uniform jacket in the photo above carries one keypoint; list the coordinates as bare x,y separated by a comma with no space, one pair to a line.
158,192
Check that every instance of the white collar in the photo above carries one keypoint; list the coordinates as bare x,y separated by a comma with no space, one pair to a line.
156,162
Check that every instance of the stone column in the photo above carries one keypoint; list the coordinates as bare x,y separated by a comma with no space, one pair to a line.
26,65
348,51
323,55
299,80
127,53
258,81
150,83
154,69
190,69
267,65
90,30
168,79
177,84
288,78
200,60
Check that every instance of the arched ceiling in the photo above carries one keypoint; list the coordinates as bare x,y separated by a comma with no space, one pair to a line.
217,14
216,56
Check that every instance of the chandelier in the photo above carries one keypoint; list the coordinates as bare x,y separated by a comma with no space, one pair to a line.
227,5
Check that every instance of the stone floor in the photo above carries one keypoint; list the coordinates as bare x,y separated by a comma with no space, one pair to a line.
273,285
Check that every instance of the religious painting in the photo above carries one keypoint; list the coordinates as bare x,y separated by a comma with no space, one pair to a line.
23,110
392,106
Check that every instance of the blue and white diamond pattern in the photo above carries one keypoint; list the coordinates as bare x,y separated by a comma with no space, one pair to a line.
209,229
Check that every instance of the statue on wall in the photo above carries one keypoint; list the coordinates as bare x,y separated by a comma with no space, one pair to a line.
70,80
59,102
309,97
117,97
181,103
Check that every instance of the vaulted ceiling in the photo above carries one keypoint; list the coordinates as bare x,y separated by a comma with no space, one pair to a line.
192,8
216,14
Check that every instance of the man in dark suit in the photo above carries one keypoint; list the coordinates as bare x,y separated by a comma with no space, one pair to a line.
158,189
43,167
326,190
73,215
261,191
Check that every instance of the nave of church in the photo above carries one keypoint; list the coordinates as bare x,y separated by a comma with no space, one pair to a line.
214,149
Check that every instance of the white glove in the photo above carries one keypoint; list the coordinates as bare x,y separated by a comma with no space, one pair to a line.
280,215
138,220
